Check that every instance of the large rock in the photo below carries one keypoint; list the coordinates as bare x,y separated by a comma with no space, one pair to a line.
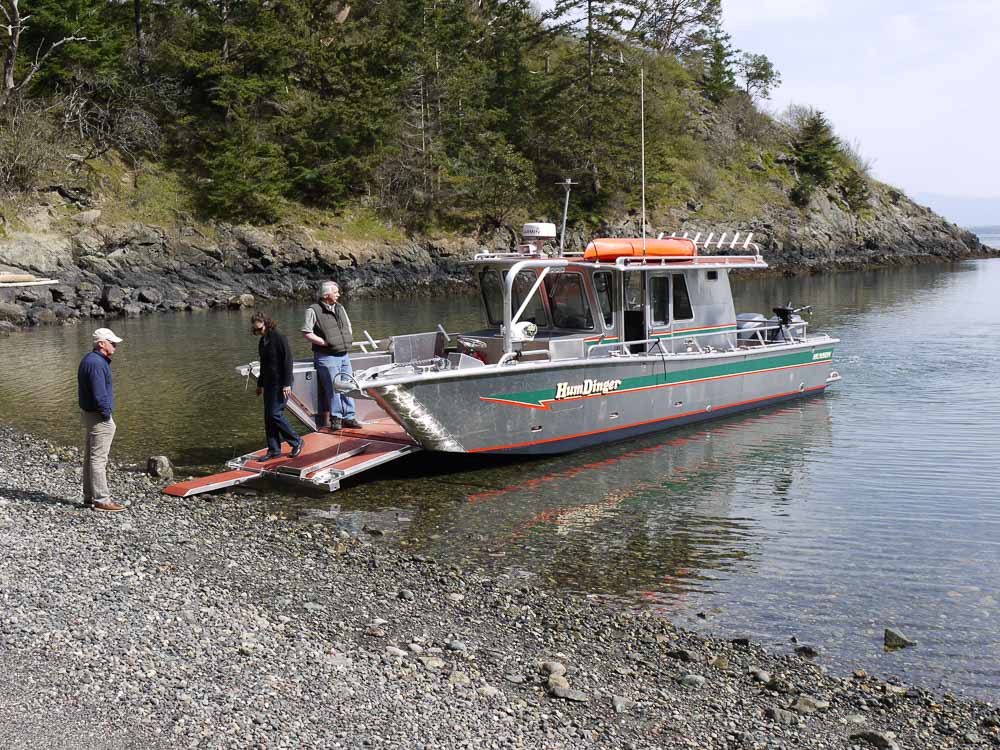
159,466
150,295
45,255
893,639
114,298
13,313
86,218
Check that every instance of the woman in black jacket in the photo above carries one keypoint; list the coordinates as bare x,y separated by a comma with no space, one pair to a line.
275,384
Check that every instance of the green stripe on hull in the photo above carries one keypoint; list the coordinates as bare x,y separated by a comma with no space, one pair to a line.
540,398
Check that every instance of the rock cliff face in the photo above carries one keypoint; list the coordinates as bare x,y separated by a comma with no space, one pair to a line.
132,269
892,231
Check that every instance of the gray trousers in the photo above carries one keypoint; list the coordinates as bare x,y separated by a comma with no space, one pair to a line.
96,447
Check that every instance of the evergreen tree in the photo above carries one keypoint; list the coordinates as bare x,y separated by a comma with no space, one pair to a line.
816,152
816,149
718,79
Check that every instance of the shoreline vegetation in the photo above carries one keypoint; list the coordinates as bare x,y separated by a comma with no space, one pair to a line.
217,623
184,154
108,271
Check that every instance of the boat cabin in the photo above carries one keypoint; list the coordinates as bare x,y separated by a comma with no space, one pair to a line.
618,297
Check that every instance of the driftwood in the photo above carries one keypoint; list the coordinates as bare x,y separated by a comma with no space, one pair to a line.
17,278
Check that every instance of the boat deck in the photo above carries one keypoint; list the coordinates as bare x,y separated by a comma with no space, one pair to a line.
326,459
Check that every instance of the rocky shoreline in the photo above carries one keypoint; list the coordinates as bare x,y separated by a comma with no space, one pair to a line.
109,270
215,623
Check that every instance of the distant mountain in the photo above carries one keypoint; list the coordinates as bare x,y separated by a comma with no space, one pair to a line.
965,211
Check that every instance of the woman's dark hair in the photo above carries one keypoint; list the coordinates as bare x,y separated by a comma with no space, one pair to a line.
270,323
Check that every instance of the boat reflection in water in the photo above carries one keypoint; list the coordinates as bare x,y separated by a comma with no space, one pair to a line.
650,519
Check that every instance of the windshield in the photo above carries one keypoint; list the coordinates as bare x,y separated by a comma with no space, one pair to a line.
535,311
492,290
491,284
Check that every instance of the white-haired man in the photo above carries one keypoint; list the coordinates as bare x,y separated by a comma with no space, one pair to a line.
328,329
96,395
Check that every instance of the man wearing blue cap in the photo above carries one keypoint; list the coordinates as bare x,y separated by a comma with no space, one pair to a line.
97,403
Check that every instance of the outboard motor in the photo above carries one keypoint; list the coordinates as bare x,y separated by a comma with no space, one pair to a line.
747,325
791,323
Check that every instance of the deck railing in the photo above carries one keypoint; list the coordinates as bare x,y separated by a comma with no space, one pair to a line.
692,345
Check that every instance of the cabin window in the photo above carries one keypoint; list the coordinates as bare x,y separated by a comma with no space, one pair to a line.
605,288
567,302
682,302
492,289
535,311
659,299
712,275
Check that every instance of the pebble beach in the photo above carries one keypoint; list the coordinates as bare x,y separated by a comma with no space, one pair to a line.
215,622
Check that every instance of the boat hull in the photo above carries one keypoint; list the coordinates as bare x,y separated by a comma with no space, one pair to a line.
559,407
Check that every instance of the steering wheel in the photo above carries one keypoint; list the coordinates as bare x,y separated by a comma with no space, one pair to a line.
474,345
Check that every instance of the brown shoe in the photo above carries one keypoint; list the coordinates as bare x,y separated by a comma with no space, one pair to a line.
353,424
335,424
108,506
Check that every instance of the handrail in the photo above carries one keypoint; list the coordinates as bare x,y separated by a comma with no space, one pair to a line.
691,338
699,261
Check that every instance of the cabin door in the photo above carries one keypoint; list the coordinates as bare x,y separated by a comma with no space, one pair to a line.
634,308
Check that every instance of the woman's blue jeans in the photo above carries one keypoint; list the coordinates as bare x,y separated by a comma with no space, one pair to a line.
276,425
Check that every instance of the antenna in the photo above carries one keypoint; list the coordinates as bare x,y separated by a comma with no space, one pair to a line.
642,139
567,185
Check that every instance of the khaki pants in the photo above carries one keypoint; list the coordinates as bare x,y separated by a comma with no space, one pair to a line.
96,447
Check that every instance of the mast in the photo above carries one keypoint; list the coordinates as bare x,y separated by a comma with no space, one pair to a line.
642,140
567,185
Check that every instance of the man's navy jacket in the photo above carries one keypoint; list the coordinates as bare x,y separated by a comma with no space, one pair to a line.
93,384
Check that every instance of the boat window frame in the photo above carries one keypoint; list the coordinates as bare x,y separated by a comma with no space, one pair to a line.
486,300
523,282
584,299
652,280
610,290
527,278
673,297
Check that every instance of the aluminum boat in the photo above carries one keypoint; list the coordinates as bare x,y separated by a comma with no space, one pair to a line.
628,337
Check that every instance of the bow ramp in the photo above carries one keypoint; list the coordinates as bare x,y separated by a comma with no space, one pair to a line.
326,460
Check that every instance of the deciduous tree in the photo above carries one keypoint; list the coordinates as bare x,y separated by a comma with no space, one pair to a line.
757,74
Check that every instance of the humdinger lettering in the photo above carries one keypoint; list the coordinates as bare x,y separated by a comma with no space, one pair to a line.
586,388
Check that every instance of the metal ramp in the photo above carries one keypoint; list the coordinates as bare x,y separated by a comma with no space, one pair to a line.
327,459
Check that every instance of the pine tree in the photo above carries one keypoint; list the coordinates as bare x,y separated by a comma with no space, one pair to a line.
816,152
718,80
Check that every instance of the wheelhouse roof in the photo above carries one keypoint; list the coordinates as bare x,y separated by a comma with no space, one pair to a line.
647,263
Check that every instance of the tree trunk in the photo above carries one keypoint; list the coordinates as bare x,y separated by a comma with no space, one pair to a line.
140,40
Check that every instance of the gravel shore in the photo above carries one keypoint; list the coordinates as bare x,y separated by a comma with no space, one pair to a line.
213,623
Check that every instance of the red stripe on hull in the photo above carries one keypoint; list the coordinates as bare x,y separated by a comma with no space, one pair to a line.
647,422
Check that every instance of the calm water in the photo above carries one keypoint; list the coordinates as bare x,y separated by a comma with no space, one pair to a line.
875,505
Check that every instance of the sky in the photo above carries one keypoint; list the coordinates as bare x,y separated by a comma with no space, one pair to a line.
914,85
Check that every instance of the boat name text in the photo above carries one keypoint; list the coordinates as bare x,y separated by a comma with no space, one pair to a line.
586,388
822,355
